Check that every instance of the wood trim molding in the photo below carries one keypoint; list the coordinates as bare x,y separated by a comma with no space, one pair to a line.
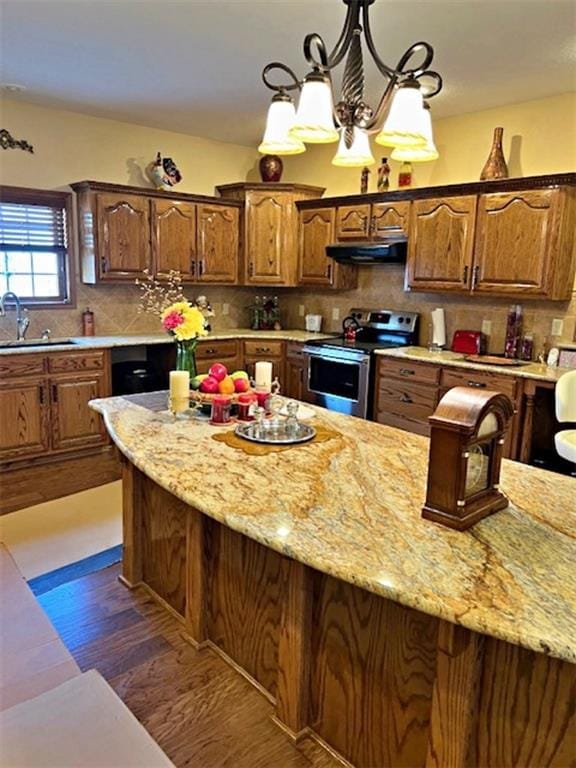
471,188
124,189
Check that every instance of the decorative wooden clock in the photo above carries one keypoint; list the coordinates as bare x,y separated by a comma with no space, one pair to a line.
467,433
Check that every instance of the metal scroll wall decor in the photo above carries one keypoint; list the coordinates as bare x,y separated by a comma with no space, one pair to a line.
7,141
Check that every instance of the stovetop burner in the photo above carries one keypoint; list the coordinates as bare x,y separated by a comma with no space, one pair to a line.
376,329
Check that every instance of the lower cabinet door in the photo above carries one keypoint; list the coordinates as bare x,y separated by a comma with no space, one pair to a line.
74,423
24,419
294,375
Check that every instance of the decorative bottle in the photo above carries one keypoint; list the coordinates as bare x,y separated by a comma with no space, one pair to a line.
495,167
384,176
365,175
405,175
513,331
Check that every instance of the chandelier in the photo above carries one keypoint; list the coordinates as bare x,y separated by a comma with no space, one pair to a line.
400,121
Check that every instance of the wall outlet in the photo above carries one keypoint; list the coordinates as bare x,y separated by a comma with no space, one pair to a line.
225,309
301,310
557,327
335,313
487,327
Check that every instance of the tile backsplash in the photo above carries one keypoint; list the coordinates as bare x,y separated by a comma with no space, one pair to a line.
116,309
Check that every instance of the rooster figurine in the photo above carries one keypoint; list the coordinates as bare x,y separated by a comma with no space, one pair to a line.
163,173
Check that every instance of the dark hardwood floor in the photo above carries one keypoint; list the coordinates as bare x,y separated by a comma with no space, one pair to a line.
200,711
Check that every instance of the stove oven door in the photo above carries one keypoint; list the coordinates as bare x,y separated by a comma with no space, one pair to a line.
337,381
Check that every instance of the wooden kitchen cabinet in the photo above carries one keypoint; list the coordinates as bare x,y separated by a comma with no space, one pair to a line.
294,371
524,243
123,224
269,230
44,403
394,214
262,349
74,424
173,238
317,230
369,222
353,222
24,418
217,244
441,244
405,394
126,230
226,352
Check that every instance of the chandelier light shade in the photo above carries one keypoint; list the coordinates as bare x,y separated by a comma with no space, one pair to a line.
404,126
358,155
422,154
398,119
314,121
277,137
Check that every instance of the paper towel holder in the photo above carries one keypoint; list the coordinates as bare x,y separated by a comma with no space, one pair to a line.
437,331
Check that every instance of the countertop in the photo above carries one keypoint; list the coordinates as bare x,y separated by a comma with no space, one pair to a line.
445,357
132,340
351,507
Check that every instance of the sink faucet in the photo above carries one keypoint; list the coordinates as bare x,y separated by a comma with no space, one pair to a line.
22,320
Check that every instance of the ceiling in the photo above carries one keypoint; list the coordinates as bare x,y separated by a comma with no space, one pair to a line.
194,66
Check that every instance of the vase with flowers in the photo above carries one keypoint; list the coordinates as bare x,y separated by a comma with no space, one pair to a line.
186,324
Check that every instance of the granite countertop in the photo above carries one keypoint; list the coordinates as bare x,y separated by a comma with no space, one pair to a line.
445,357
351,507
131,340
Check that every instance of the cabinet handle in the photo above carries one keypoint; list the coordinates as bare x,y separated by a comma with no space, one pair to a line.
210,351
54,393
329,271
477,384
406,372
193,267
262,349
42,394
200,267
465,275
406,398
251,269
104,264
475,276
372,226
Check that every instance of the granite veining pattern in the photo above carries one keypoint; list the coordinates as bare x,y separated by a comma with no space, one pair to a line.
351,507
423,355
134,340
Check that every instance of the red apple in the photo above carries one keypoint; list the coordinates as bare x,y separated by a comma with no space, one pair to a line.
241,385
209,386
218,371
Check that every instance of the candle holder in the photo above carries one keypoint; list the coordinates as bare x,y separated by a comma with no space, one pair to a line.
181,408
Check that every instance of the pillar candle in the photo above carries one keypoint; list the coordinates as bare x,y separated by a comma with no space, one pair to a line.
263,375
179,384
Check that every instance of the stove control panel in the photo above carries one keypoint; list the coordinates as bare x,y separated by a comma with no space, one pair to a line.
386,319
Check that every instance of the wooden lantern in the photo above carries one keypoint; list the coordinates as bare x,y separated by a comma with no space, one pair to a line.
467,433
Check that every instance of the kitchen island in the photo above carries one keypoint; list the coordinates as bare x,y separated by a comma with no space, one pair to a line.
395,641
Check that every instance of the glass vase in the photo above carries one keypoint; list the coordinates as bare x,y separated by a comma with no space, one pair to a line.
186,356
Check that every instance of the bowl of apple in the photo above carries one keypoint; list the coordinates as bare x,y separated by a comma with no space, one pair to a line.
218,381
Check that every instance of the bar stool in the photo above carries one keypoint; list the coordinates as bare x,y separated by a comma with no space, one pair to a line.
565,441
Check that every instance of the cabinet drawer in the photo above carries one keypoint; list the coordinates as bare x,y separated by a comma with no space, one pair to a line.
403,421
295,350
84,361
405,398
263,348
216,350
409,370
459,377
21,365
232,363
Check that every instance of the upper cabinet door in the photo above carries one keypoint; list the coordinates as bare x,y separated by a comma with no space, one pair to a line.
389,215
316,232
516,241
123,236
440,244
174,238
269,250
353,222
217,244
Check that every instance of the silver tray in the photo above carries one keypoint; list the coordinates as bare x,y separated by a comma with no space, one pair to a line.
275,433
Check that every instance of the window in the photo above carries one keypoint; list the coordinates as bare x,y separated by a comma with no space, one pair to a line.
34,237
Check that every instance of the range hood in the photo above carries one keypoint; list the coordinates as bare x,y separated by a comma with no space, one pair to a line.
390,249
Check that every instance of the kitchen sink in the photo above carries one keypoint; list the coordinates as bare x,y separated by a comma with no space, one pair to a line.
34,343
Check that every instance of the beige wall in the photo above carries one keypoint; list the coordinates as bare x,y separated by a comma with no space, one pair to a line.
70,147
539,138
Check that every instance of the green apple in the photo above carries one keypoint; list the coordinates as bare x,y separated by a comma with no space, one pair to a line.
239,375
197,380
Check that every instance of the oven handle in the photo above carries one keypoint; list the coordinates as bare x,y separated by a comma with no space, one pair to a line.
323,356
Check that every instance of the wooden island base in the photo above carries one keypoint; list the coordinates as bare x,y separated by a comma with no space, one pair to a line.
376,683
